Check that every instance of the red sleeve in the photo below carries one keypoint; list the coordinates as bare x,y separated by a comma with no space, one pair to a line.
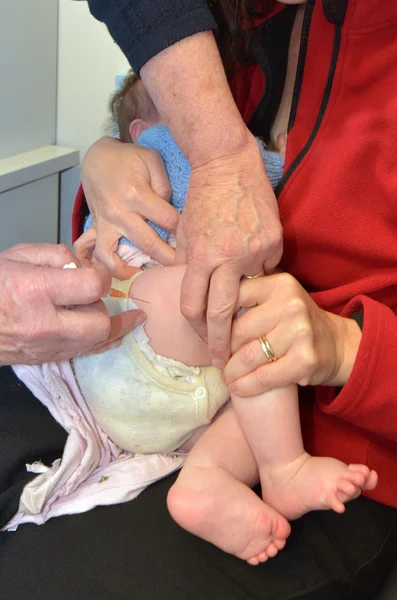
77,215
369,398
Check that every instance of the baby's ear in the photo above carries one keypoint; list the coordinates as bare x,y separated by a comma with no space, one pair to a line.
137,126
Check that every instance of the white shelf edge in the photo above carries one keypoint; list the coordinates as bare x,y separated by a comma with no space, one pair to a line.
27,167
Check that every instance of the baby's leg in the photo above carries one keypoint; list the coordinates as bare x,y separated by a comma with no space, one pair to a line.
293,482
212,497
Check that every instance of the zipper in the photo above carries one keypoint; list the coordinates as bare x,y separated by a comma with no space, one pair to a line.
298,86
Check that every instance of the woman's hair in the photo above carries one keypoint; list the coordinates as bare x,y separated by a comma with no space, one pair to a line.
234,36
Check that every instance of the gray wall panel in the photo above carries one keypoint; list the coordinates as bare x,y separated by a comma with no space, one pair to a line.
28,71
30,213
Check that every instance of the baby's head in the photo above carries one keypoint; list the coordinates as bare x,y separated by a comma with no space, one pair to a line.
132,109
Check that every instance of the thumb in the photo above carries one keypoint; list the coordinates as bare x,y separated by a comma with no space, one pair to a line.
106,251
158,176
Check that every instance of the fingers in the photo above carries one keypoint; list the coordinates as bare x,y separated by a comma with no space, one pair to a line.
42,254
106,250
149,242
277,374
90,329
213,307
252,324
158,176
85,244
148,205
257,291
121,324
71,287
194,298
222,299
181,256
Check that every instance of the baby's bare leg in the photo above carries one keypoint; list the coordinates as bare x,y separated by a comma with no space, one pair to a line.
212,497
293,482
158,293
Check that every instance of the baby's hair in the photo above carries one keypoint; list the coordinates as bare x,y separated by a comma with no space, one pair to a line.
131,102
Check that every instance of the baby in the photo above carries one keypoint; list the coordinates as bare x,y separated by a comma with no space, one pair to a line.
157,393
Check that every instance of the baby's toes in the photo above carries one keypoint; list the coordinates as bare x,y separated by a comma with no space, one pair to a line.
334,499
359,469
271,550
254,561
347,490
357,478
279,543
372,481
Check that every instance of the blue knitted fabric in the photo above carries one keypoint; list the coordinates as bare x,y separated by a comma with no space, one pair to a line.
178,169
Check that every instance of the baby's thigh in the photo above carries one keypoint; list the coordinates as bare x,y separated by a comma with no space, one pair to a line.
157,292
188,445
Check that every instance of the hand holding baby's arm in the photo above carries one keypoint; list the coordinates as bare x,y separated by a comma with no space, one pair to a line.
125,185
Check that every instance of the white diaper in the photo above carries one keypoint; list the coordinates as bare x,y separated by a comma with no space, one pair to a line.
144,402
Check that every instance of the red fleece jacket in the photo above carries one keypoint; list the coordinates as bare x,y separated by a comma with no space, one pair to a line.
338,207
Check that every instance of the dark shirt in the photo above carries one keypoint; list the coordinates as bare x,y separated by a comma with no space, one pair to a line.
142,29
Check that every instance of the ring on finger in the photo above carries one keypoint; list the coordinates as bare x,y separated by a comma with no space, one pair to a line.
260,274
267,349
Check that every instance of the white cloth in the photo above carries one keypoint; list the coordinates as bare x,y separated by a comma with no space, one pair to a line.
93,470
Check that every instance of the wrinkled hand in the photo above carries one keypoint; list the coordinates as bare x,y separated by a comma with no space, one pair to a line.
312,346
126,184
50,313
230,227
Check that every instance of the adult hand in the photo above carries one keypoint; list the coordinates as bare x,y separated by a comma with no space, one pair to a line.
50,313
126,184
230,228
311,346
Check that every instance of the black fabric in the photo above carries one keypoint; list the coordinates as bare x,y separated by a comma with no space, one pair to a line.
142,29
135,551
27,433
270,50
358,317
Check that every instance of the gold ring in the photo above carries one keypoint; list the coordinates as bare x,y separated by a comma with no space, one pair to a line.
260,274
267,349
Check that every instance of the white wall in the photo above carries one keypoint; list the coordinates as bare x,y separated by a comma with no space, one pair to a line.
28,49
88,61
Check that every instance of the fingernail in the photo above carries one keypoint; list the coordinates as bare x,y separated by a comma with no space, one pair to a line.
223,378
140,319
219,363
232,388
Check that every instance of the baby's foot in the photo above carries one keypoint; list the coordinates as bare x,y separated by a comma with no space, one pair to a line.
311,483
213,505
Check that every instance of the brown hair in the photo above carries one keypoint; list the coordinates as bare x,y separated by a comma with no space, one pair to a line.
234,37
131,102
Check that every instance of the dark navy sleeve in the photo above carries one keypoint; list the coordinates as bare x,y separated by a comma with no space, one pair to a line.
143,28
